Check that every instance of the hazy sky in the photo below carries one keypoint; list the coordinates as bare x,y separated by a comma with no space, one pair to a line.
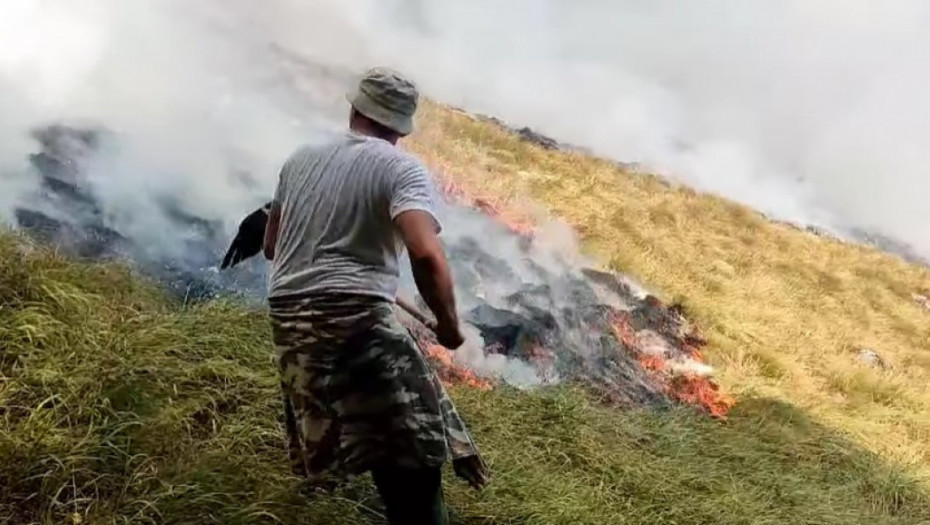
813,110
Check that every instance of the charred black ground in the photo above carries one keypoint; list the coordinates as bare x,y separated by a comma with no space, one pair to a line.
525,301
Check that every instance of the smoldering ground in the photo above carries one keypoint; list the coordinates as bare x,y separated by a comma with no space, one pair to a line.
533,309
809,113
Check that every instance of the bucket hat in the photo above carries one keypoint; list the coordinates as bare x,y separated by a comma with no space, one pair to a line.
386,97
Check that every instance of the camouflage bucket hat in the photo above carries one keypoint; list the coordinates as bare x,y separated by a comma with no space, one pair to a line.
386,97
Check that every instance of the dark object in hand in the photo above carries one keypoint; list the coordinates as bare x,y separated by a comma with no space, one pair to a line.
474,470
249,239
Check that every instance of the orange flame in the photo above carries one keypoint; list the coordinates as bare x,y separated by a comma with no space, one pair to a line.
651,362
702,392
519,225
686,388
449,372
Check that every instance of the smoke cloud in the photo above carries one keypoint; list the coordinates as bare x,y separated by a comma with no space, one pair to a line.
194,121
810,111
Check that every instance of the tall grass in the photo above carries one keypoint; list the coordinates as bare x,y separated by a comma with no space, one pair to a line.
118,405
786,312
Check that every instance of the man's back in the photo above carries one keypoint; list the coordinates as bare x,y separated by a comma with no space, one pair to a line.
338,201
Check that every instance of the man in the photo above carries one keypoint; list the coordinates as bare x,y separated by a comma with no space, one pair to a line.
359,394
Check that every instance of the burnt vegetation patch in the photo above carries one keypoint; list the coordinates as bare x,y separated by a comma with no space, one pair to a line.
125,400
525,300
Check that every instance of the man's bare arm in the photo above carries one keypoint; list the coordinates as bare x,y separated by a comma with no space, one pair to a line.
431,272
271,231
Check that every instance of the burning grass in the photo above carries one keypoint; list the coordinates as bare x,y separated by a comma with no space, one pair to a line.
451,373
518,223
119,405
662,342
680,376
785,311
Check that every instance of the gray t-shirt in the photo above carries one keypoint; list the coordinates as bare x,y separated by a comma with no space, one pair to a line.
338,201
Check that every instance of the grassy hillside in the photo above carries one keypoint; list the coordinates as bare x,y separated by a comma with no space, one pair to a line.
119,406
786,312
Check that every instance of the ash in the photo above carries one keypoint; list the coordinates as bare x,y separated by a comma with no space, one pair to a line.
66,211
535,311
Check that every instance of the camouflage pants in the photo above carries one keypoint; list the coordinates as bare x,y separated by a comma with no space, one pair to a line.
358,391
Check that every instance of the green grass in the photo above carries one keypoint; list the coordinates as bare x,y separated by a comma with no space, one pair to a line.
118,405
785,311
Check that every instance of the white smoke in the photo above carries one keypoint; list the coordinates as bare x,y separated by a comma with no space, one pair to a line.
811,111
194,109
512,371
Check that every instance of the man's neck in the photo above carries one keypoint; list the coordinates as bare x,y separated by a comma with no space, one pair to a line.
368,132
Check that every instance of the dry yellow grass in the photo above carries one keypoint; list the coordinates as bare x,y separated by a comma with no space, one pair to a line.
119,405
785,311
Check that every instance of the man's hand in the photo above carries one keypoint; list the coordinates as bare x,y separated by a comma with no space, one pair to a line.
449,336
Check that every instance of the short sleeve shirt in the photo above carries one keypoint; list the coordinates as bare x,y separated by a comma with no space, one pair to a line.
338,201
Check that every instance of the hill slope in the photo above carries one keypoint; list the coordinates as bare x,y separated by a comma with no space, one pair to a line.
119,405
786,311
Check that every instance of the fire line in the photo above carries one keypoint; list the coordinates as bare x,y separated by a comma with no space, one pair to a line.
667,352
